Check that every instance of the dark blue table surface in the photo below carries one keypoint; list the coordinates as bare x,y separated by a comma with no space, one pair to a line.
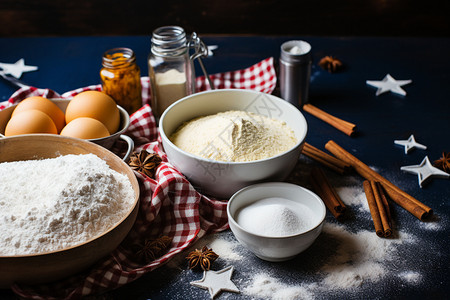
69,63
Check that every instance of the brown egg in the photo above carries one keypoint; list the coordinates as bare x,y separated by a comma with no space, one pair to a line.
85,128
30,121
96,105
44,105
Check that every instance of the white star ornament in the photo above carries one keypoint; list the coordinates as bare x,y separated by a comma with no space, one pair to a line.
217,281
410,144
16,69
389,84
425,171
211,49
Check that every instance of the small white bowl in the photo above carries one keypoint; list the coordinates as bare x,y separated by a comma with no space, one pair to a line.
222,179
276,248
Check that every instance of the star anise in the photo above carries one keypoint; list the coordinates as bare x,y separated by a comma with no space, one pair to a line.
202,258
443,163
151,249
145,162
331,64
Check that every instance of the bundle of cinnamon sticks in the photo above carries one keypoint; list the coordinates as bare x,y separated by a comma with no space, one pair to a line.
409,203
377,188
375,185
379,208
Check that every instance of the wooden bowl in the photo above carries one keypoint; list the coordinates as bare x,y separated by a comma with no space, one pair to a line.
51,266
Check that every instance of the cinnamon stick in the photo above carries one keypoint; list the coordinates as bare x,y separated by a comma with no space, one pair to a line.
327,193
385,220
384,200
373,208
412,205
325,159
344,126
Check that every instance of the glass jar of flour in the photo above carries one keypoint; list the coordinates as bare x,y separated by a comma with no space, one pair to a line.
171,71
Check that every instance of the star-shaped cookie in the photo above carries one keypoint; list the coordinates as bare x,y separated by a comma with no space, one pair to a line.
389,84
410,144
217,281
16,69
425,171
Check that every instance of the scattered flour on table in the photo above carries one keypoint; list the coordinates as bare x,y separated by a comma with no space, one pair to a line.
410,277
237,136
266,286
225,249
359,258
435,223
353,196
430,226
50,204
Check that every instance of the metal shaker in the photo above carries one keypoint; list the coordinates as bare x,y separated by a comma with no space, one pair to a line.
295,72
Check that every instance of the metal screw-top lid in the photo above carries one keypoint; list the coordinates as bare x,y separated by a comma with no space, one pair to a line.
118,58
169,40
296,51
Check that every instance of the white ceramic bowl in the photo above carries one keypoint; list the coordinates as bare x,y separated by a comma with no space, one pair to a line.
222,179
276,248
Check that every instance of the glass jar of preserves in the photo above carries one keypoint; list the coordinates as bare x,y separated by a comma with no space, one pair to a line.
171,71
121,78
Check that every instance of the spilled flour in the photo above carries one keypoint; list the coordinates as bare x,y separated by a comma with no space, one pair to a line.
360,257
266,286
410,277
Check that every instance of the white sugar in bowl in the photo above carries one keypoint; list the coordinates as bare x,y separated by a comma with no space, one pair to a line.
276,220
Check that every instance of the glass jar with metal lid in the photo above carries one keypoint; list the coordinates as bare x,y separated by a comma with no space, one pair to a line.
171,72
121,79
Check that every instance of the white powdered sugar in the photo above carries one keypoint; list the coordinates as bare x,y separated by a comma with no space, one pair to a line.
51,204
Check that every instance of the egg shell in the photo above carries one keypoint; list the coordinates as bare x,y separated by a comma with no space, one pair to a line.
30,121
96,105
46,106
85,128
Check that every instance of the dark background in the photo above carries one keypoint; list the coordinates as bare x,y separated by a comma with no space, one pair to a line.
271,17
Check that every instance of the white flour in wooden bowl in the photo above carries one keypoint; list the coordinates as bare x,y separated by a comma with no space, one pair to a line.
236,136
51,204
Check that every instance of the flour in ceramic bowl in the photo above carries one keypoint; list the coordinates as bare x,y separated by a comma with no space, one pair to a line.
52,204
236,136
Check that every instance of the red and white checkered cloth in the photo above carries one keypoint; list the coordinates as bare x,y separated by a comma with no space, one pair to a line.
169,205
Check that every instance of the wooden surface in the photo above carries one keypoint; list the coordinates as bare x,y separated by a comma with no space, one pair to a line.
274,17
